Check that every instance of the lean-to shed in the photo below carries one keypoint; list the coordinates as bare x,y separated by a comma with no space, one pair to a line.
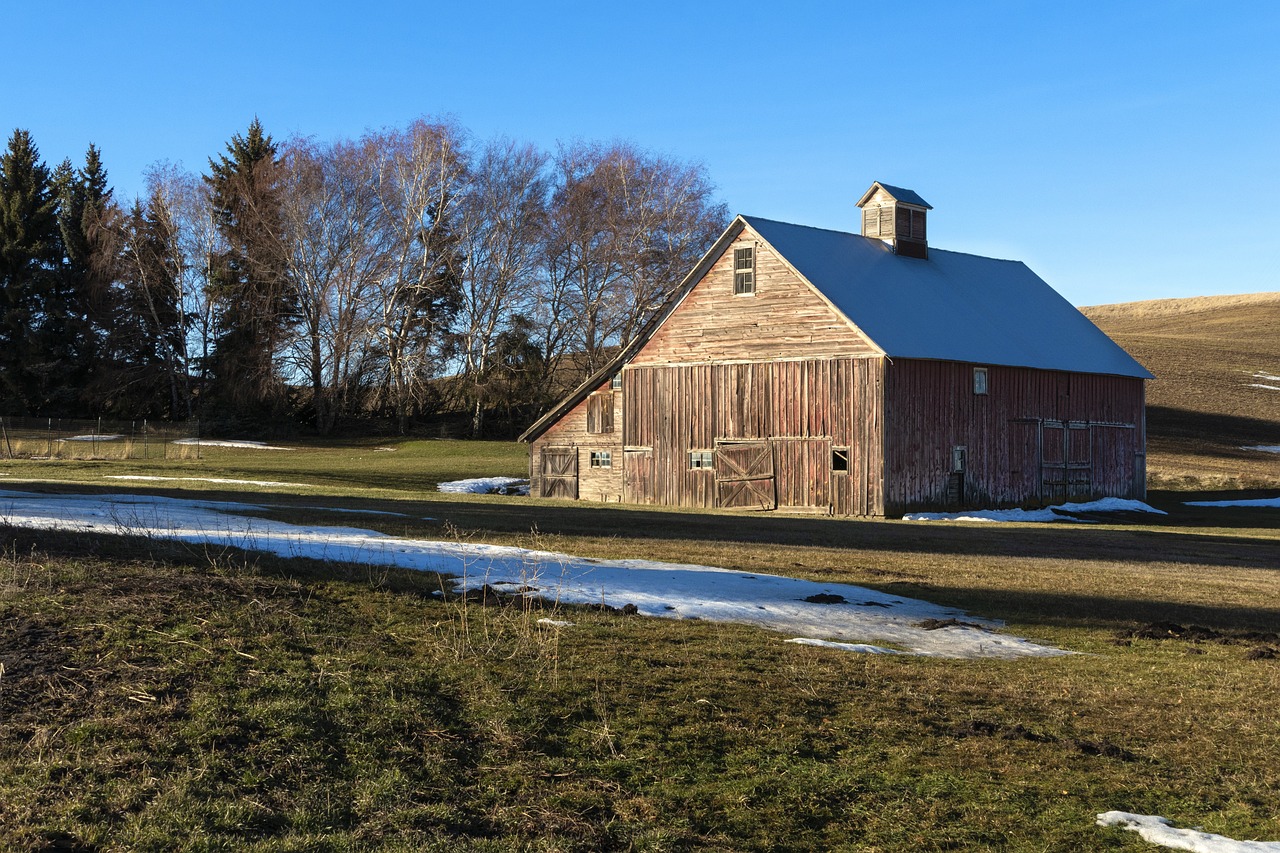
858,374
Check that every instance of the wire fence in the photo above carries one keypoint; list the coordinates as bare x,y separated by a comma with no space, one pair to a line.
59,438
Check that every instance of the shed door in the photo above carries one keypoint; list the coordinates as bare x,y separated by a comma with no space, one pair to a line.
744,475
560,472
803,472
637,476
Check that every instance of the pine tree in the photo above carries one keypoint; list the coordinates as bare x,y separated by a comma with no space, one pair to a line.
30,257
255,301
85,217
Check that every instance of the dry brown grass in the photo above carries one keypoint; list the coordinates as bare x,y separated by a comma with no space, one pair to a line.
1209,354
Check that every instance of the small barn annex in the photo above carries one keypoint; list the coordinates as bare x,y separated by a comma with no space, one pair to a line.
855,374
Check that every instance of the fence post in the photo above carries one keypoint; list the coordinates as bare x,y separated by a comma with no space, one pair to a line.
7,445
144,438
49,451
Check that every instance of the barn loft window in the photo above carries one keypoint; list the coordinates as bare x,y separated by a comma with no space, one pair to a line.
979,380
840,459
601,459
744,270
616,382
600,412
701,459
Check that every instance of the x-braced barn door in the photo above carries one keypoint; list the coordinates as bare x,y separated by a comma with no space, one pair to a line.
559,472
744,475
1066,461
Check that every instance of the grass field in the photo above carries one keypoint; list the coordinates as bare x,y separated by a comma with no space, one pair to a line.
157,696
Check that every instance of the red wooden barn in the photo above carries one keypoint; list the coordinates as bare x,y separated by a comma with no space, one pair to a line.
865,374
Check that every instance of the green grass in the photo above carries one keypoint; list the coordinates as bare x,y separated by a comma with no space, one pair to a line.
156,696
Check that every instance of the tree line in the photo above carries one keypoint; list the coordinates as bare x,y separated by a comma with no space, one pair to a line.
406,273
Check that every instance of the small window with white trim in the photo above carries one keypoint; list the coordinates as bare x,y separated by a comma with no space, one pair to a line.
701,459
744,271
616,382
601,459
979,380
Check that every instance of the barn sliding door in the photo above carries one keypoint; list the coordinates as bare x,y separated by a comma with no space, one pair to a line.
744,475
1066,461
560,472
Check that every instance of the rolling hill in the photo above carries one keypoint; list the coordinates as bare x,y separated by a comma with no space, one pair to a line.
1217,387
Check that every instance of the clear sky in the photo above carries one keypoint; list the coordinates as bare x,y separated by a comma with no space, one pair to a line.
1124,150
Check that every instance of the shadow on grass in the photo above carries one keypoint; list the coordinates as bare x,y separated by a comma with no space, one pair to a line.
1070,610
1223,434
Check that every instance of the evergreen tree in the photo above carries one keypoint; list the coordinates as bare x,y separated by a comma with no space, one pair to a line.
253,297
85,218
30,257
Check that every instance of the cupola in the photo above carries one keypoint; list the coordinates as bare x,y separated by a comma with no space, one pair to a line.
896,216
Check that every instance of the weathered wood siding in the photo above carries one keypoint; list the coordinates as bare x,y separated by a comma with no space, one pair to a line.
802,408
1036,436
783,318
571,431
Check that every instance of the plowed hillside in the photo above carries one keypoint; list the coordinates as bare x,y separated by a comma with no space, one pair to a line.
1217,387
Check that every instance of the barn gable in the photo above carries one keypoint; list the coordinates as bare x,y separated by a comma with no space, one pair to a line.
751,305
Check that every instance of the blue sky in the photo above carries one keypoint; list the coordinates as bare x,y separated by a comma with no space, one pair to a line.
1123,150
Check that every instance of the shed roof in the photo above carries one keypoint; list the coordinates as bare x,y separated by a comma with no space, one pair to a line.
899,193
948,307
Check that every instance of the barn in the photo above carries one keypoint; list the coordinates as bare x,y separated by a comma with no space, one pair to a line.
804,369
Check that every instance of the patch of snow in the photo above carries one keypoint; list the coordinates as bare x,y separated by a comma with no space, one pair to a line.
487,486
219,480
1049,513
555,623
1264,448
111,437
1268,376
1263,502
242,445
1259,385
1159,830
864,648
667,590
384,450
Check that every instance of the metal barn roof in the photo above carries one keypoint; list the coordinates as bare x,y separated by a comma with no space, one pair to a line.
948,307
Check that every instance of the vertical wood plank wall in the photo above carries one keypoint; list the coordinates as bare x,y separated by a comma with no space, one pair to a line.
930,408
672,410
596,484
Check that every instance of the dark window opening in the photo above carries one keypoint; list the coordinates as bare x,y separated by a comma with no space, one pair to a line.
839,459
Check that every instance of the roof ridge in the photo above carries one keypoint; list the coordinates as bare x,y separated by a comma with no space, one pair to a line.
932,248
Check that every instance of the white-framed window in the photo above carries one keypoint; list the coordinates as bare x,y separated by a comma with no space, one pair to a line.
616,382
701,459
601,459
979,380
840,460
744,270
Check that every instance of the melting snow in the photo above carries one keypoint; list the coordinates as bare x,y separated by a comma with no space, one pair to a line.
1264,502
1159,830
111,437
217,480
1265,448
1049,513
242,445
656,589
487,486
